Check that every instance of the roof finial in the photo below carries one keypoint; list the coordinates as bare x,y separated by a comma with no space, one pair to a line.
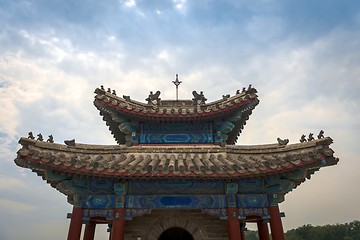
177,83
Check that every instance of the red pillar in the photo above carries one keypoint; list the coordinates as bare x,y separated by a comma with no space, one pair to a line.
242,234
89,231
263,230
75,224
277,231
233,224
117,231
242,231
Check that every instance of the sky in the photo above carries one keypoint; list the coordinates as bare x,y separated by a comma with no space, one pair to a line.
303,57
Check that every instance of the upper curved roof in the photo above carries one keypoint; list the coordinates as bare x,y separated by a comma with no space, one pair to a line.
115,109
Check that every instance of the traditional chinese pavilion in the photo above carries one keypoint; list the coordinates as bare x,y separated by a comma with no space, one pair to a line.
176,172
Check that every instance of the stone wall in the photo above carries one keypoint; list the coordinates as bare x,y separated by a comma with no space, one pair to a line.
199,225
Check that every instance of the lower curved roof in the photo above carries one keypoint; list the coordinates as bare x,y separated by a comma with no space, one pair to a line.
175,161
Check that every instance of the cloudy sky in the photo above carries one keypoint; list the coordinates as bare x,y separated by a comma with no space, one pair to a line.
303,57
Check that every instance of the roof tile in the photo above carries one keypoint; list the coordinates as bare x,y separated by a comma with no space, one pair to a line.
166,161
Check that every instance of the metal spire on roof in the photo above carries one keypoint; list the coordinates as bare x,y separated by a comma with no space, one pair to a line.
177,83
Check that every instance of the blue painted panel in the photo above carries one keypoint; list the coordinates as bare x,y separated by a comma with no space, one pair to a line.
170,187
98,201
176,201
176,133
147,201
252,200
79,184
251,186
178,138
101,187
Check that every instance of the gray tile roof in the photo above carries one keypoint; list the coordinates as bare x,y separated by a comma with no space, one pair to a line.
175,161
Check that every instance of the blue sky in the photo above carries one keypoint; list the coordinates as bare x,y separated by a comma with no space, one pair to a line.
302,56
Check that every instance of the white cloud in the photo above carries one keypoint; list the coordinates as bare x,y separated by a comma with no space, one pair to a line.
264,28
14,207
9,183
180,5
8,116
129,3
111,38
303,88
163,55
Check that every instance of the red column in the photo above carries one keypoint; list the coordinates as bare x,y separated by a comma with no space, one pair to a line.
242,234
233,224
277,231
242,231
75,224
89,231
117,231
263,230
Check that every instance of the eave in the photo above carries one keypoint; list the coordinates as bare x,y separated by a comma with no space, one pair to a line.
173,161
